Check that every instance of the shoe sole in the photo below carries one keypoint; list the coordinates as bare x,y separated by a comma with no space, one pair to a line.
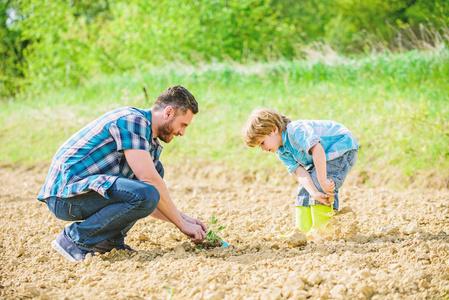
61,251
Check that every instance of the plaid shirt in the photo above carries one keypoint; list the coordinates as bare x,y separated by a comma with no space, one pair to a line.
93,158
300,136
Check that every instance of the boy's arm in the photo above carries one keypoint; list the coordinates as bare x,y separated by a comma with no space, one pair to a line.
319,161
306,181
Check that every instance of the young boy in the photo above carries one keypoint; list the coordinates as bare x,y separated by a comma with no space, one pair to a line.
320,153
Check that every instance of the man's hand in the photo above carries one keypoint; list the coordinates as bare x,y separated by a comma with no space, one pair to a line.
194,221
328,186
193,231
321,197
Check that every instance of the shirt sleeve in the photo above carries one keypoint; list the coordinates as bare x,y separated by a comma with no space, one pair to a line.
304,138
131,132
289,162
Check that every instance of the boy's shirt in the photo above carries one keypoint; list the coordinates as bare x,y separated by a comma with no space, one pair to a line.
300,136
93,158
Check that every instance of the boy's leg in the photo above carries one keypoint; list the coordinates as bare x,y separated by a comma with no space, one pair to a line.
321,213
337,170
303,217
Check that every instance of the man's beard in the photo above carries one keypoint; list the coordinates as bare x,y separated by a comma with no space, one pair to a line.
165,132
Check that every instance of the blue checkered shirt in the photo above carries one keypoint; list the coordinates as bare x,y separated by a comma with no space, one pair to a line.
93,158
300,136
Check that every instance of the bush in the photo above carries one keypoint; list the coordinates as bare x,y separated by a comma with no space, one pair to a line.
50,44
11,52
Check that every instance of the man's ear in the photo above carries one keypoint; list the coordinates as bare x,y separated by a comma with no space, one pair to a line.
169,112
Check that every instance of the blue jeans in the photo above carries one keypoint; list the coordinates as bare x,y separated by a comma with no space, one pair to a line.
337,170
106,219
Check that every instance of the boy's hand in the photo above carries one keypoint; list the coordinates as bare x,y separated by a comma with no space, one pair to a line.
321,197
328,187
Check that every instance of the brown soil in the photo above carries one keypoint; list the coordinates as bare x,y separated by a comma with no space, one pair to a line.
385,244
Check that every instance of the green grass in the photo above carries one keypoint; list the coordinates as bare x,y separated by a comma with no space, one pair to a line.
396,104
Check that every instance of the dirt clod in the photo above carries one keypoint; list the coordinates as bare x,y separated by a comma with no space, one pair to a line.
296,239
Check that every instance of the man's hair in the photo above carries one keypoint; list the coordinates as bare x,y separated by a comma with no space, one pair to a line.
178,97
261,123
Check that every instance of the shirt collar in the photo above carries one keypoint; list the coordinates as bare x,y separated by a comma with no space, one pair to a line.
155,140
282,148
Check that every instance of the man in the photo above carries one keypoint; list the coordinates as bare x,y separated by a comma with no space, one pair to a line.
108,175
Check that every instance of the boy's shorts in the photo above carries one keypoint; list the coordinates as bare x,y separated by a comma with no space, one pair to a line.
337,170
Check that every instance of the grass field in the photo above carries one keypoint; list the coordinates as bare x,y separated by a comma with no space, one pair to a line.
396,104
390,240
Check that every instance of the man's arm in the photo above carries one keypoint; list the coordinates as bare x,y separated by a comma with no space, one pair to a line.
194,221
158,215
143,167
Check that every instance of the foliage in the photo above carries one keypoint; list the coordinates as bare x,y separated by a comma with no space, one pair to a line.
395,104
11,52
212,239
51,44
214,229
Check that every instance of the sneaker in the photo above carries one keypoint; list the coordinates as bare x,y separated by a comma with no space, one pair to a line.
106,246
67,248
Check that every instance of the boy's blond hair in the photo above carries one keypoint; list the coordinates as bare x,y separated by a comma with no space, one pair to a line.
261,123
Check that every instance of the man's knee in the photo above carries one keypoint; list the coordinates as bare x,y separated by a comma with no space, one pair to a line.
148,199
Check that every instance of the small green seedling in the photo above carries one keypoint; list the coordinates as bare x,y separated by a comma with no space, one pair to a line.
213,240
